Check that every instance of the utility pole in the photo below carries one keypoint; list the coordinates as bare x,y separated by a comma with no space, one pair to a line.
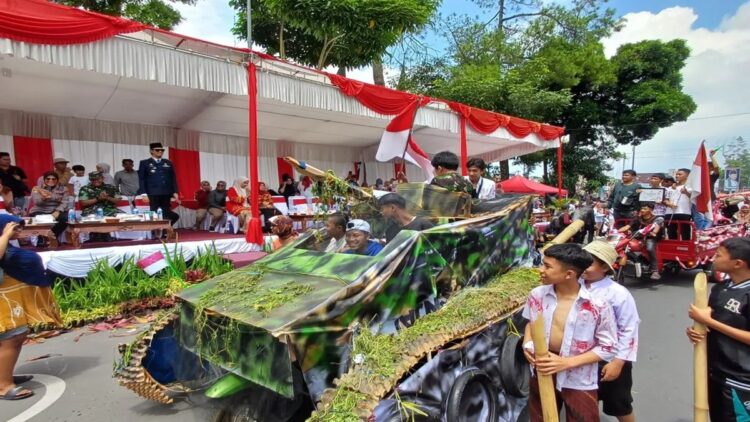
632,159
624,157
249,24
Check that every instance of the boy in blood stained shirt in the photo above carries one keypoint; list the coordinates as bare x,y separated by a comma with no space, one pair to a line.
580,331
616,377
728,320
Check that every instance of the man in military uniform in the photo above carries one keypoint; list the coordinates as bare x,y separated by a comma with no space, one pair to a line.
97,194
446,164
157,179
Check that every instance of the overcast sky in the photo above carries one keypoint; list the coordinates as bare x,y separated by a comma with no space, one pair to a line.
718,33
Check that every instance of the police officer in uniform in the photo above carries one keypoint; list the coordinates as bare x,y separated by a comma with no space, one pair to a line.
158,180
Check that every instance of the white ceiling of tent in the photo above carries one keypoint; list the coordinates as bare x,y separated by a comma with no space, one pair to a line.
36,87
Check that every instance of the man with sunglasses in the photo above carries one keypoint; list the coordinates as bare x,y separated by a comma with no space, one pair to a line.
358,239
157,179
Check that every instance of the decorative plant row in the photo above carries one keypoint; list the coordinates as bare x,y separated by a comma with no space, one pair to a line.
116,290
381,360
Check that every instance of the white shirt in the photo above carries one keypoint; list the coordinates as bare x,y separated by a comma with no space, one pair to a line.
336,245
78,182
626,316
485,188
590,326
681,201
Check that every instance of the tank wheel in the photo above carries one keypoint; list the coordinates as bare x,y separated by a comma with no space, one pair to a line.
524,415
239,413
472,397
514,369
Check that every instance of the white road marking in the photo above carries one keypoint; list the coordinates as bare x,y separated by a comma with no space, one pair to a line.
54,389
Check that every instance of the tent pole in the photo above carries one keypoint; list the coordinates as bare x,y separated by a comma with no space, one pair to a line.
559,169
464,147
253,229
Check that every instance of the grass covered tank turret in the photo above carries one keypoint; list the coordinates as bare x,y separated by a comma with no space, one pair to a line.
269,341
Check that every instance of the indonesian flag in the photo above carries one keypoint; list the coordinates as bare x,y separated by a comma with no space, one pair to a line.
699,182
153,263
397,141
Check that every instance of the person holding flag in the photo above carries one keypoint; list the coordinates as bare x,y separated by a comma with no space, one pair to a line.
699,183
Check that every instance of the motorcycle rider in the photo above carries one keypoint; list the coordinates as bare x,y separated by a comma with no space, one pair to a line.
645,217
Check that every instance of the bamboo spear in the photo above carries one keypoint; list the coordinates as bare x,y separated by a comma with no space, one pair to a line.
566,234
546,387
700,357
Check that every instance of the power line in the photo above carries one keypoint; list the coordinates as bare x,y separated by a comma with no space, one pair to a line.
718,116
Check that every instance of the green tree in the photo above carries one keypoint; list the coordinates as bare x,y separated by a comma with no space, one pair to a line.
319,33
553,69
158,13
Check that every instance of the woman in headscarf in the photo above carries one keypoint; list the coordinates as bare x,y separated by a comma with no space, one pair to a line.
104,168
25,300
743,215
237,201
282,230
287,187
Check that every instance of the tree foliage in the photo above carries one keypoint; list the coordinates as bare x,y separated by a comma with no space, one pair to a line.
346,33
552,67
158,13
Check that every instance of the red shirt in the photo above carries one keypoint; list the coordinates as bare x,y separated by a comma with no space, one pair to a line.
202,198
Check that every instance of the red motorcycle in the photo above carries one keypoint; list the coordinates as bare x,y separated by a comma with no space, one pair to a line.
634,261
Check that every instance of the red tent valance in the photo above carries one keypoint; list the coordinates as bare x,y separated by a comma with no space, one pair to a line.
42,22
389,101
520,184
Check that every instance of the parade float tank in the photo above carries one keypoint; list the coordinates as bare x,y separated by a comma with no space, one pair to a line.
429,329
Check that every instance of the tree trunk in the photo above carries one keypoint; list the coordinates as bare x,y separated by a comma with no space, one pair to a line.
504,169
282,48
377,72
341,71
500,15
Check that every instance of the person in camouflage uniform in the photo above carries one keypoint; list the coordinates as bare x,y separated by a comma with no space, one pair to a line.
97,194
446,176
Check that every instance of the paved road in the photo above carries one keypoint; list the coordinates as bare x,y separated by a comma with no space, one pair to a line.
663,374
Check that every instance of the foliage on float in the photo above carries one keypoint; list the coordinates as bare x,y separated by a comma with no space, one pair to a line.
110,290
381,360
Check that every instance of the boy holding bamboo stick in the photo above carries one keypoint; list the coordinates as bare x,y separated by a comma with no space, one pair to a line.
616,376
728,320
580,331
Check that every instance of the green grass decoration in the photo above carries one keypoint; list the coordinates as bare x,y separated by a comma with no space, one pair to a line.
107,288
271,298
388,358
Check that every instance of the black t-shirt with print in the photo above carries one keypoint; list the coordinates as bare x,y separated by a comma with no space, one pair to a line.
418,224
729,358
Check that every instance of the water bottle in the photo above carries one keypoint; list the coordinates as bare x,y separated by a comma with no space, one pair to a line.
159,214
100,213
71,215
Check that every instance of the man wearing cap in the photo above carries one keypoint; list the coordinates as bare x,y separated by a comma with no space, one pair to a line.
97,194
157,179
358,239
645,217
64,173
615,377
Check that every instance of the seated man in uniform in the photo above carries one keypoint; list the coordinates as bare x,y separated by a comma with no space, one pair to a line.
358,239
97,194
393,207
446,164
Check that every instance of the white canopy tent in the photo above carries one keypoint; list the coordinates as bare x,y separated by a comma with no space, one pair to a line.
105,100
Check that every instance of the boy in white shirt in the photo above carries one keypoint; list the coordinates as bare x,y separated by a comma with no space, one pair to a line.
580,331
680,207
79,180
616,377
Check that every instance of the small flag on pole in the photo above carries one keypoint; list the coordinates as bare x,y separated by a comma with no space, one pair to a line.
699,183
153,263
397,141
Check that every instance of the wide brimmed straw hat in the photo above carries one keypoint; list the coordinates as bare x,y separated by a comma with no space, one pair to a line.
602,250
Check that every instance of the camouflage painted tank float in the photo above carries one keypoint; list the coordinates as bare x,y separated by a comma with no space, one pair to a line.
427,329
